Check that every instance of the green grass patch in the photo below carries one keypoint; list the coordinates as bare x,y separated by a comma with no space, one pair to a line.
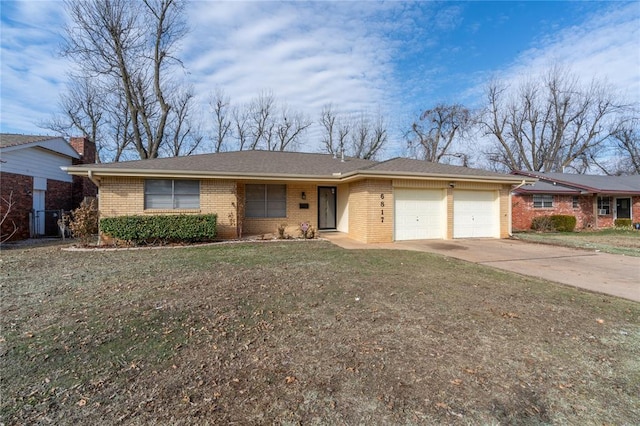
614,241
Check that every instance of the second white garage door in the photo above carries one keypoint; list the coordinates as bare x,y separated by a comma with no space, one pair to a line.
419,214
475,214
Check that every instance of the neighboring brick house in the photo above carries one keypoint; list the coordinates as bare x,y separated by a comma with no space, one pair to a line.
31,175
596,201
371,201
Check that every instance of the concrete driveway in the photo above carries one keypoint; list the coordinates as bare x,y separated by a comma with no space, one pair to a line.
612,274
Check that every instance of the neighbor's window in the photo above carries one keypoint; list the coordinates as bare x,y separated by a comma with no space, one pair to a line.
171,194
604,206
542,201
265,201
576,202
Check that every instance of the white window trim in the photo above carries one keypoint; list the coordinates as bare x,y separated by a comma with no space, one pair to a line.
174,196
545,198
603,210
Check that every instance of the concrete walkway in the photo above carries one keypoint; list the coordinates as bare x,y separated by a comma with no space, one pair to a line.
611,274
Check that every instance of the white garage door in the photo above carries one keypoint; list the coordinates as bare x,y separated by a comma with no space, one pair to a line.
475,214
419,214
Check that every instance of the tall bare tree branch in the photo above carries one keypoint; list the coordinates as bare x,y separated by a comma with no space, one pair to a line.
432,137
549,123
130,47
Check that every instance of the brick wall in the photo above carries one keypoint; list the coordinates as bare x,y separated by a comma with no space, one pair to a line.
369,220
59,195
523,211
295,215
123,196
86,149
82,186
20,188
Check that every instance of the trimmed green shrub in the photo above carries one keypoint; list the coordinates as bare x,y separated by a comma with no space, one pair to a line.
622,223
160,228
563,223
554,223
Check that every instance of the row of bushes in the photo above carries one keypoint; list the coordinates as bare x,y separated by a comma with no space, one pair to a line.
567,223
554,223
161,228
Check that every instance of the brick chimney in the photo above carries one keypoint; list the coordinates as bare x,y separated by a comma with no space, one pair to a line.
82,186
85,148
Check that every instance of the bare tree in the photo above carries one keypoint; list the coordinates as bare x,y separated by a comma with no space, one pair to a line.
360,137
432,137
83,109
220,104
290,128
328,122
261,121
241,127
185,135
549,123
7,206
627,139
367,137
130,47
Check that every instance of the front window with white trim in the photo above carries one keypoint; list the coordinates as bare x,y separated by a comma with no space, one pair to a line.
604,206
171,194
542,201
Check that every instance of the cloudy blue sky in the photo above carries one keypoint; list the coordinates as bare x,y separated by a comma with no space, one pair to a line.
393,57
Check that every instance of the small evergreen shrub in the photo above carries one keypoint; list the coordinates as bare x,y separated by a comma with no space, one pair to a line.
622,223
563,223
160,228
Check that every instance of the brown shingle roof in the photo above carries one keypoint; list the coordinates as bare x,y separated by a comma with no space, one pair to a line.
408,165
256,162
559,182
10,139
288,165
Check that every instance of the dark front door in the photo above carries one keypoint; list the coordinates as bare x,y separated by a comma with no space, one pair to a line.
623,208
327,207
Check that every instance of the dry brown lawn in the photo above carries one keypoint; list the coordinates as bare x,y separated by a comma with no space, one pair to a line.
305,333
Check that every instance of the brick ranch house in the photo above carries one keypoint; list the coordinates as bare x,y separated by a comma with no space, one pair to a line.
398,199
30,174
596,201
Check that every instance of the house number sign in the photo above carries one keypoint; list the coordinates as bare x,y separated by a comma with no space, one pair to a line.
382,207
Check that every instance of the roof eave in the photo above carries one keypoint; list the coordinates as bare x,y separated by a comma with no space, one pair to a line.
439,176
334,177
195,174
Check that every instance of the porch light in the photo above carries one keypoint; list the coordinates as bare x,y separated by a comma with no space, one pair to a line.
304,195
452,184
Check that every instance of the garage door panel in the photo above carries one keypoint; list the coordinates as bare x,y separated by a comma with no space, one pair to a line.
419,214
475,214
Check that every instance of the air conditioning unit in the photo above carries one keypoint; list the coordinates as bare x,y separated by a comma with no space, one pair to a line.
602,212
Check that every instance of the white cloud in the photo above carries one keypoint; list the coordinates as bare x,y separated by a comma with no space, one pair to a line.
32,71
606,47
359,56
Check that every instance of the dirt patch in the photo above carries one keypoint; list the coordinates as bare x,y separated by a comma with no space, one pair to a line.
445,246
305,333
